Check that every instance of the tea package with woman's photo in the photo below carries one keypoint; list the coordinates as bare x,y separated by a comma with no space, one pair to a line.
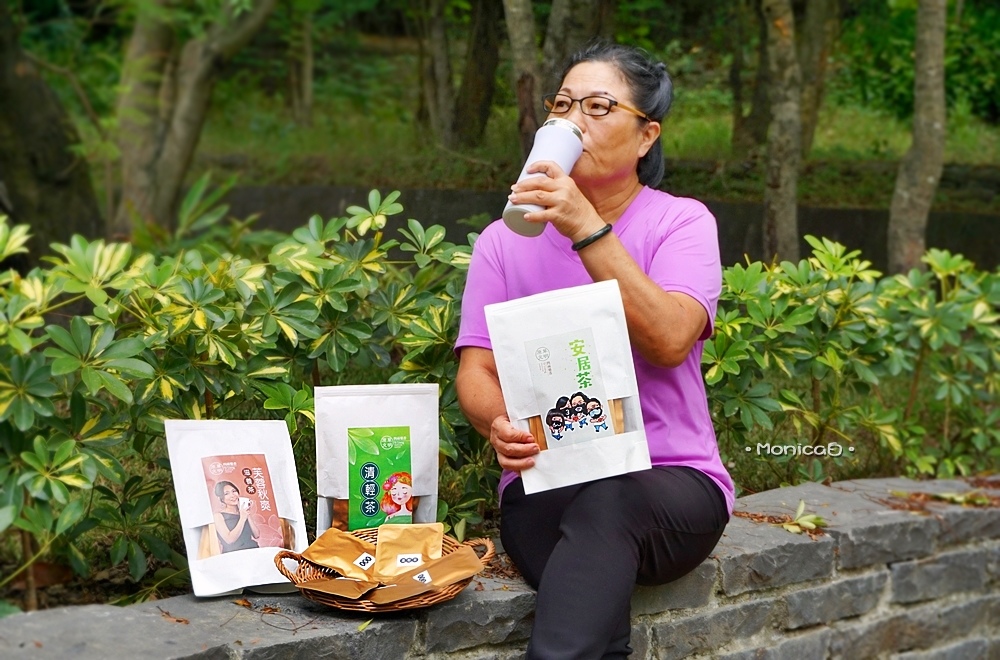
238,495
376,455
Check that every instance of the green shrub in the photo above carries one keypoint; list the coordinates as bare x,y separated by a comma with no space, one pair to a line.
219,321
207,332
901,372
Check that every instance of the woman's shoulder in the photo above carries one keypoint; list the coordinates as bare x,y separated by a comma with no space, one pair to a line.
673,206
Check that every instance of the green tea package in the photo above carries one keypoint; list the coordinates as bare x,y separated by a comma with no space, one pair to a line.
376,455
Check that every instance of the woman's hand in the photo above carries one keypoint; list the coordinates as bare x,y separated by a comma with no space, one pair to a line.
515,448
245,511
567,209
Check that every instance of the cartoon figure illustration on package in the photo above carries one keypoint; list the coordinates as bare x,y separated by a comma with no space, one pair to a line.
568,384
555,421
598,420
397,502
578,406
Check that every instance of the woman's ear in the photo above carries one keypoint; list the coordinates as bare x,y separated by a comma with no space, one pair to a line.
649,135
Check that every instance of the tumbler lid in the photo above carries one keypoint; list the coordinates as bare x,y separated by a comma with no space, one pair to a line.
566,124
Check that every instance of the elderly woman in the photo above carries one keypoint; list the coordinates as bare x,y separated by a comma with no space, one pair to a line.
584,547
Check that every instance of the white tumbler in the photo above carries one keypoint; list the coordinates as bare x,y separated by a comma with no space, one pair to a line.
558,140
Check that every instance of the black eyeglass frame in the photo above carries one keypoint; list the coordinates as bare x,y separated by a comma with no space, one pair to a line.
549,105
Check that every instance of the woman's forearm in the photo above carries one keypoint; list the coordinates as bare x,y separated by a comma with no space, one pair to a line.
479,396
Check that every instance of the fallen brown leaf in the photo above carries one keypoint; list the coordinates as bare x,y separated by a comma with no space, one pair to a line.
243,602
170,617
270,610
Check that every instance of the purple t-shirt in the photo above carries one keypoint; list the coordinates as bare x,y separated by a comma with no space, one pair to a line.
675,242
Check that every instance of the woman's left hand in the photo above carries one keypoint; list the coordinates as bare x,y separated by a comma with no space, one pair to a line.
566,208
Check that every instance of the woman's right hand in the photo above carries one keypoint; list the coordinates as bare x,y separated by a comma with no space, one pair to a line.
515,448
244,512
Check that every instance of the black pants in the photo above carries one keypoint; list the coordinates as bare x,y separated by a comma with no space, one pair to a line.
585,547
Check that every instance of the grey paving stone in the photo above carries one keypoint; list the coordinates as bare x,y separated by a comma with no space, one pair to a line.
704,633
754,556
865,530
692,590
934,577
972,649
844,598
495,615
802,647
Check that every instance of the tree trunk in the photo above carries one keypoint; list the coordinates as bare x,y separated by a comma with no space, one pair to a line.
48,187
571,24
606,18
475,95
521,31
167,92
816,36
784,135
437,81
920,169
751,131
300,68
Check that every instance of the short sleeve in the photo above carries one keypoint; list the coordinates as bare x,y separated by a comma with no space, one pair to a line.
484,285
687,259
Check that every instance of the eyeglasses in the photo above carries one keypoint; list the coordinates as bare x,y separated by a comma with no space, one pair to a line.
595,106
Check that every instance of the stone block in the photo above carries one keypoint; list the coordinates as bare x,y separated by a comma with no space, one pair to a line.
641,641
692,590
884,487
754,556
704,633
509,652
839,600
502,612
959,524
993,562
934,577
809,645
189,627
972,649
866,531
918,628
872,639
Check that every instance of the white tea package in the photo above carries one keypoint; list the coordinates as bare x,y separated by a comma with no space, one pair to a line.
567,376
238,496
376,455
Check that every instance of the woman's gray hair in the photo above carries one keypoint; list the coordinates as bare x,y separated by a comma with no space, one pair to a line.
651,88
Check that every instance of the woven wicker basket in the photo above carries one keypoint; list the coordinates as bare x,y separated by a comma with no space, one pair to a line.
307,572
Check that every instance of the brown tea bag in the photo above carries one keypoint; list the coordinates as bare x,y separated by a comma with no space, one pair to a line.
403,547
344,553
343,587
432,576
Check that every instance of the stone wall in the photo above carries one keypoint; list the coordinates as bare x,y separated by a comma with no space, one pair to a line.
883,582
